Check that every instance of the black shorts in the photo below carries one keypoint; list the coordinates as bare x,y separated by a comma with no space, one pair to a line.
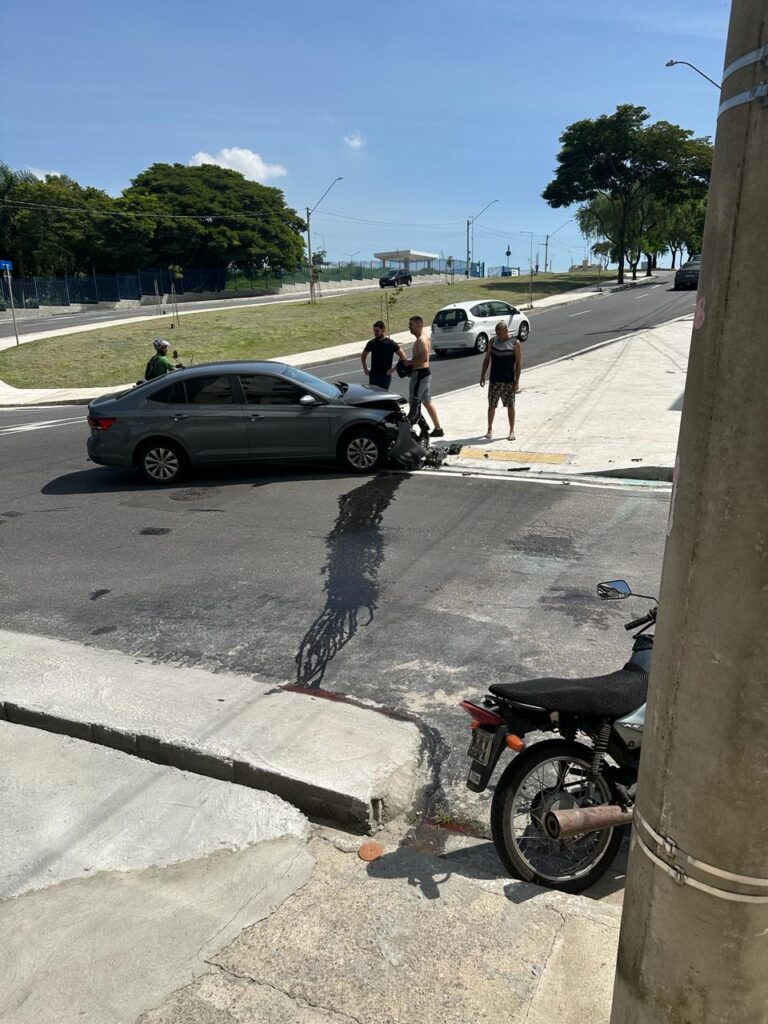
380,380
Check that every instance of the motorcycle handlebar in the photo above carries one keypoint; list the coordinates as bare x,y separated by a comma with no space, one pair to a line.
642,621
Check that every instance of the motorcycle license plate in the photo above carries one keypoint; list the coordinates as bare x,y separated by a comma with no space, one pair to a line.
480,747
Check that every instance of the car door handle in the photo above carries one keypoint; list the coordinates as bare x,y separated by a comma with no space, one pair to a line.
180,416
256,416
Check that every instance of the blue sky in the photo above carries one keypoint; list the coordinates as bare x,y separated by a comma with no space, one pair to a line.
429,110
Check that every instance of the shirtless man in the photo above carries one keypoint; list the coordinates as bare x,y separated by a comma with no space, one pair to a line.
420,392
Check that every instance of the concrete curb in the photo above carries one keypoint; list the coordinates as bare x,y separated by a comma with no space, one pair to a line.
338,762
324,806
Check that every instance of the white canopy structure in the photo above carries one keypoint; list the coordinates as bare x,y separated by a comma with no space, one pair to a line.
406,256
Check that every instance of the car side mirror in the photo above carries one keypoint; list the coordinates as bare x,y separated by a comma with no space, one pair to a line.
614,590
308,401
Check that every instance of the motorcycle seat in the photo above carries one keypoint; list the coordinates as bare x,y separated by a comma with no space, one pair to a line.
610,696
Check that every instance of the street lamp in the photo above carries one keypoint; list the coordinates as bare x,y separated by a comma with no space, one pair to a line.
351,257
671,64
546,240
309,239
471,223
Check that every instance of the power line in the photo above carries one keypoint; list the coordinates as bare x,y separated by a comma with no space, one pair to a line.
388,223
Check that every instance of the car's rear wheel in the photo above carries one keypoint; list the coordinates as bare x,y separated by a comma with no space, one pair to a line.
362,450
523,332
161,462
441,352
481,343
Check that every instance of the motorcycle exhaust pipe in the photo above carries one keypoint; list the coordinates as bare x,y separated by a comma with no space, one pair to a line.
567,824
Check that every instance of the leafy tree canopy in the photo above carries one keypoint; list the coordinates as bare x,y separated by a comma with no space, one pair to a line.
246,223
171,214
628,171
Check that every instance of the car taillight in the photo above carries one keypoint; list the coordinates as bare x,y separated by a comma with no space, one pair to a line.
100,422
468,325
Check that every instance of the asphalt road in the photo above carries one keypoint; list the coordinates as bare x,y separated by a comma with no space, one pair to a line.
409,591
555,332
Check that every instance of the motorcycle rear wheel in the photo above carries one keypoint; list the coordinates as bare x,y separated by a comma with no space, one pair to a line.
551,775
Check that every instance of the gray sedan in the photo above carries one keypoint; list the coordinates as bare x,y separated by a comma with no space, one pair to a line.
240,412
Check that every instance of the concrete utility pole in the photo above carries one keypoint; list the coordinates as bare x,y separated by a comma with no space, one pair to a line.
694,936
469,221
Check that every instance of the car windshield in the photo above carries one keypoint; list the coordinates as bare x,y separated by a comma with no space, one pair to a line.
308,380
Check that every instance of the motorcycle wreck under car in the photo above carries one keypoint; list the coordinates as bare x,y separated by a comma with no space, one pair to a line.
561,807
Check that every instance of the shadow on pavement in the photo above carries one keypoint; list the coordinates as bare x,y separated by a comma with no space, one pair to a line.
479,863
104,480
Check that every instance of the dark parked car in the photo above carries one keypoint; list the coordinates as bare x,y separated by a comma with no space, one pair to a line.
240,412
393,278
688,275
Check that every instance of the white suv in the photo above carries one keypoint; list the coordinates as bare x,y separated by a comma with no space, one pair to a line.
464,325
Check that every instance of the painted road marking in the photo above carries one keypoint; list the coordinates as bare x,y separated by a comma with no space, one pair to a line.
583,311
20,428
505,456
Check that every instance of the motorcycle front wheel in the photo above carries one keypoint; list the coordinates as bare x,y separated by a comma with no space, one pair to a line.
551,776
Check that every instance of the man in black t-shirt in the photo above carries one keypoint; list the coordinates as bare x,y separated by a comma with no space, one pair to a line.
382,351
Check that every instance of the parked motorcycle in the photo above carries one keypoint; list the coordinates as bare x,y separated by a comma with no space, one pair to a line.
561,806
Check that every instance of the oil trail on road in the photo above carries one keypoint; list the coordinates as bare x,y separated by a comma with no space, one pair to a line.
355,550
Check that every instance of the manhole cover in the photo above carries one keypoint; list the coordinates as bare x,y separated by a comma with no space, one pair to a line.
193,493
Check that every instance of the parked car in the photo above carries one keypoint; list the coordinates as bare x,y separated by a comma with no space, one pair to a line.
394,278
469,325
688,275
240,412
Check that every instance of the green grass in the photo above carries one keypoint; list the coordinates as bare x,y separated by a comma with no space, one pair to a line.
116,355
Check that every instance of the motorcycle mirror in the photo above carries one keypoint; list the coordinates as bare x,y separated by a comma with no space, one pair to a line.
175,354
614,590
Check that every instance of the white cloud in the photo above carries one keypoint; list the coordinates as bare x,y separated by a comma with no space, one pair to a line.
38,173
354,140
249,164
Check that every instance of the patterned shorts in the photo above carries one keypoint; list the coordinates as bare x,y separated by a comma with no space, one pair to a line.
498,390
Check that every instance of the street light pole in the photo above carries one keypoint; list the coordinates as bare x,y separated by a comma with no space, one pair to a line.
694,932
471,223
309,239
546,240
672,63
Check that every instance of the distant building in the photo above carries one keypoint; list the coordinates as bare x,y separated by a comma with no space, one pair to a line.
405,257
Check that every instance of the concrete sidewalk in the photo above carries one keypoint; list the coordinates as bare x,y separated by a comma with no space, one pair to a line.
134,892
121,879
613,409
11,397
349,765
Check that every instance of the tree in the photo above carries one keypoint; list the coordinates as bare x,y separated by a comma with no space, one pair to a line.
214,216
630,166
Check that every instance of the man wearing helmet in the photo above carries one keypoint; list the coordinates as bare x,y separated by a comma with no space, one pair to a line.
160,363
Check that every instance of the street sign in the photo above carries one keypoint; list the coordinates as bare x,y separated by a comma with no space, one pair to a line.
6,265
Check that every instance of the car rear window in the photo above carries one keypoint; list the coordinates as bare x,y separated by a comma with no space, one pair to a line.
174,394
450,317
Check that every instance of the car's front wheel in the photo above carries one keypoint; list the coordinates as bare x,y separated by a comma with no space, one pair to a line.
362,450
161,462
523,332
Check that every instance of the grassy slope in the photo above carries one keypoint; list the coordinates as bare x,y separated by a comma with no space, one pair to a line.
114,355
